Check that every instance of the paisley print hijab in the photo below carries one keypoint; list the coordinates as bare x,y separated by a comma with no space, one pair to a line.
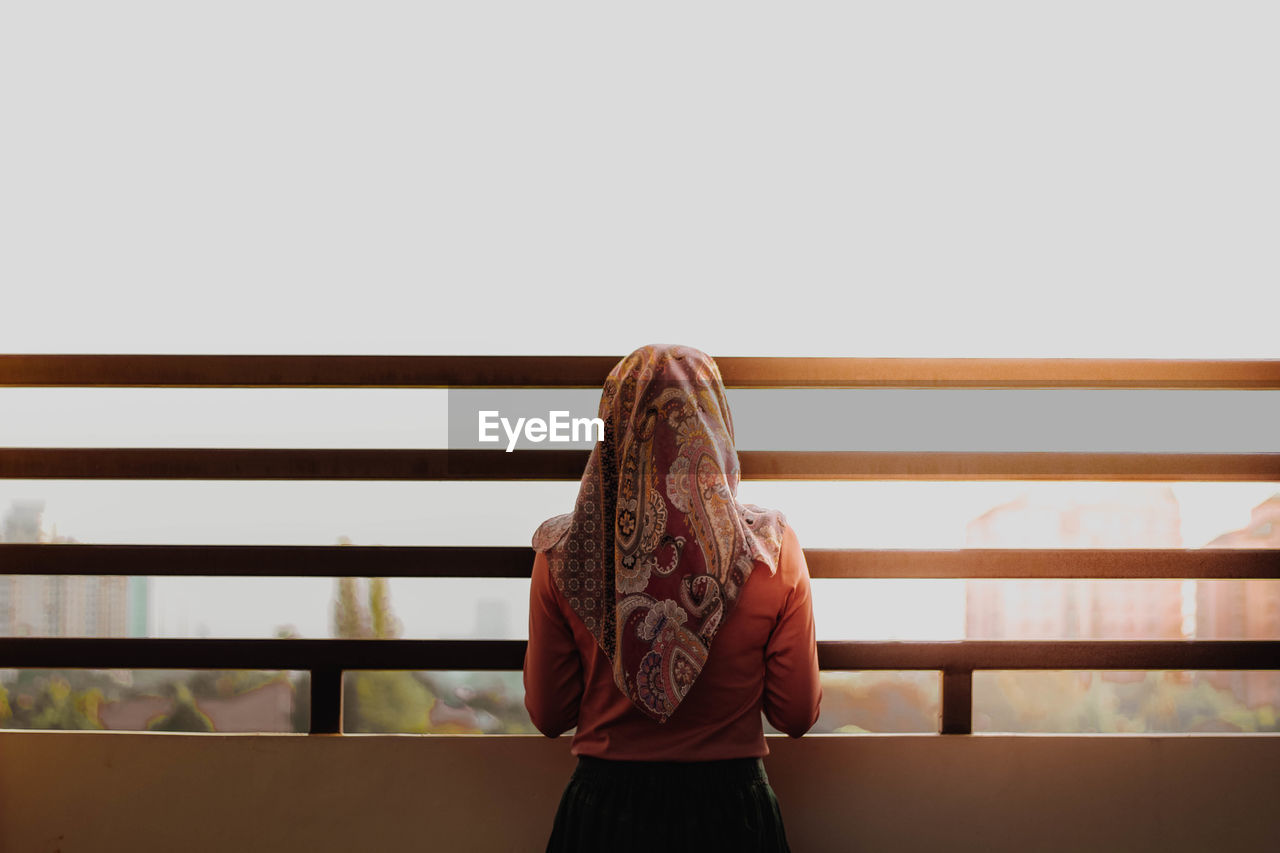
657,548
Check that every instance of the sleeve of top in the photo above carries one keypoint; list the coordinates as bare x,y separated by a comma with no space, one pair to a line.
792,692
553,680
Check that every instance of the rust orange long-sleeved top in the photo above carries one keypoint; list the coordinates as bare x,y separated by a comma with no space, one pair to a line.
764,657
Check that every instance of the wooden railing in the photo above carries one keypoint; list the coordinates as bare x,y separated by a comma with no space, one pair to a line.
327,659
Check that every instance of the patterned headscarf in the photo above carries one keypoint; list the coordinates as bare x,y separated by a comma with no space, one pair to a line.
657,547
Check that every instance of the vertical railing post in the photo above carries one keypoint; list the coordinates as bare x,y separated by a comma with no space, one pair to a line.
326,701
957,701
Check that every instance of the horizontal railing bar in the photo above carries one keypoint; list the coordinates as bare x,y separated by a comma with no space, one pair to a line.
429,561
954,656
533,371
1026,563
294,654
223,463
962,655
931,465
406,561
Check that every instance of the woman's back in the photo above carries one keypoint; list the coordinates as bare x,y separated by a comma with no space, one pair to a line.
664,616
764,659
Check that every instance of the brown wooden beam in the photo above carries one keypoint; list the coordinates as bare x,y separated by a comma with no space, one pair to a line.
533,371
220,463
1085,563
265,654
957,655
404,561
968,655
516,561
930,465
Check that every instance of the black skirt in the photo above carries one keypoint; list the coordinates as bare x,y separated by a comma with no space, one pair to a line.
618,806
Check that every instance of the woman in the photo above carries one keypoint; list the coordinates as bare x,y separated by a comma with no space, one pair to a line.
664,616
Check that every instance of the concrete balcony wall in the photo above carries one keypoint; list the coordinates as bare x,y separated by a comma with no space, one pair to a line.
76,792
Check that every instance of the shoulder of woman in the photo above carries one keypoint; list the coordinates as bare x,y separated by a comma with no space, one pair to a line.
791,562
551,531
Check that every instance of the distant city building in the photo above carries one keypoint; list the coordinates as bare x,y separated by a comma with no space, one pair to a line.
65,605
1117,609
1137,516
1245,609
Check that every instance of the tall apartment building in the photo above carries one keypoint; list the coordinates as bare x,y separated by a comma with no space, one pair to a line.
68,605
1245,609
1137,516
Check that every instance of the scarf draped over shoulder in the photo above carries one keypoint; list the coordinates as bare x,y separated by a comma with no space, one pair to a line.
656,551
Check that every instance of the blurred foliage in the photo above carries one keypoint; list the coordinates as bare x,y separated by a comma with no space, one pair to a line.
384,701
1134,702
387,702
226,683
60,707
184,716
43,699
437,702
878,701
76,698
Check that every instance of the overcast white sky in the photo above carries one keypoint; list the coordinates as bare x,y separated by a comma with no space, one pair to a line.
861,179
1004,179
